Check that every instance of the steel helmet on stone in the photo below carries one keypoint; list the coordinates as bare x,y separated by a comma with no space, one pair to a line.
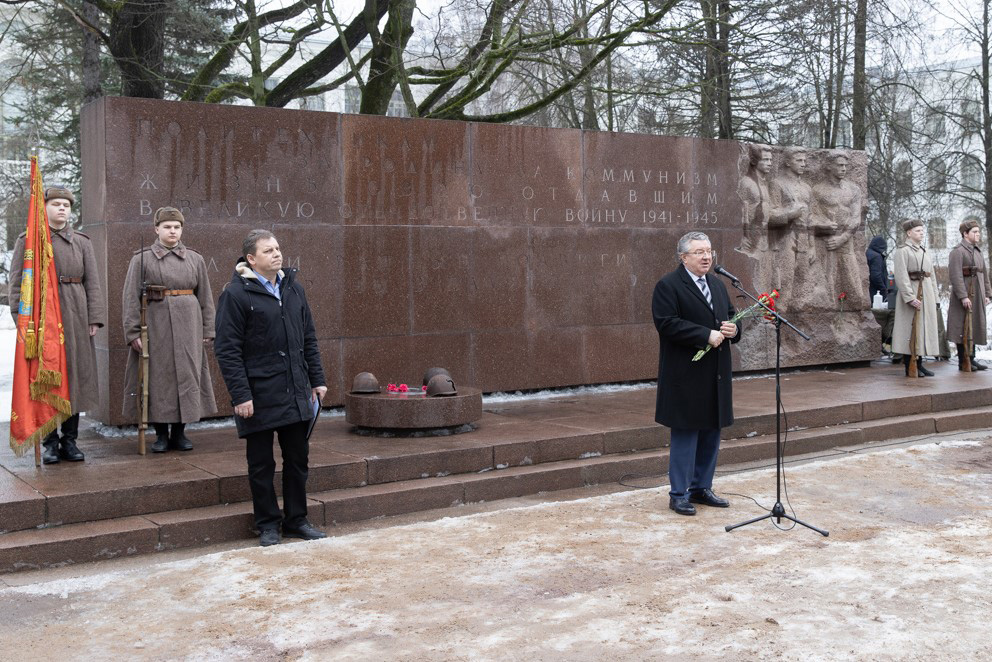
365,382
431,372
441,385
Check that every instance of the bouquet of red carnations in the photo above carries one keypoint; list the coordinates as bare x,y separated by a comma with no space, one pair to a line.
754,310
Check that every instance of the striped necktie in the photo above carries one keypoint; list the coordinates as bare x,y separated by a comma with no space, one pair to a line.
705,290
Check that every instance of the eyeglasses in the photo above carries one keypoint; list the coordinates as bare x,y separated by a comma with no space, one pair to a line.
700,253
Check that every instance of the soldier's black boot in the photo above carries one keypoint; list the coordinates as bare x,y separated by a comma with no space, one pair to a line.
976,366
51,444
67,447
960,349
920,369
905,364
178,439
161,443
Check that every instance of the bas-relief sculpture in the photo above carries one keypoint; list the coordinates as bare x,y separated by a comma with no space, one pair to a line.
518,257
803,235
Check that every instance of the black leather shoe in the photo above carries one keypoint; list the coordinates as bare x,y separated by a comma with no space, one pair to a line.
305,531
922,370
707,498
69,451
681,505
268,537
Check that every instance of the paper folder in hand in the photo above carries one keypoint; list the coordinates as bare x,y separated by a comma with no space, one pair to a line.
315,402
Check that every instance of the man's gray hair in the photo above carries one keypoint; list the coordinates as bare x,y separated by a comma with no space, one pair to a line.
683,247
251,241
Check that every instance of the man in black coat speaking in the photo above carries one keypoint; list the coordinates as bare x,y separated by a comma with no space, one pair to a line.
266,347
690,310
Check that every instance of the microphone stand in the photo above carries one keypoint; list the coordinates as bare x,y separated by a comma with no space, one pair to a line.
778,510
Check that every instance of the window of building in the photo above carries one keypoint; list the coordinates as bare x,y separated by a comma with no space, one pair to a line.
935,123
971,175
903,178
902,126
937,171
315,102
352,99
937,233
971,116
844,133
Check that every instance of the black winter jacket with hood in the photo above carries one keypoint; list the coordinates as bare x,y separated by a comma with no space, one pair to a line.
878,274
267,350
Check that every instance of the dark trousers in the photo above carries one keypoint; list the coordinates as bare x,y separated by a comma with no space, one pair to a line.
70,429
261,474
692,460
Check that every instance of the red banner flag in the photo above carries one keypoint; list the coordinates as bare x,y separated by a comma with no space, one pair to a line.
40,400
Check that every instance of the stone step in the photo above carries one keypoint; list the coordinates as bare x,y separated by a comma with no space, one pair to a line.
208,524
131,485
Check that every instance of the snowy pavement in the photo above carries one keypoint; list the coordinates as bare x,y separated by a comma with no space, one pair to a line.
903,575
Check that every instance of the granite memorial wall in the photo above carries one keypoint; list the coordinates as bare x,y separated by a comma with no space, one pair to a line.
516,257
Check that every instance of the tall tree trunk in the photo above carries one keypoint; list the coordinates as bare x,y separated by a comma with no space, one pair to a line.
858,100
707,90
91,55
387,52
137,44
723,72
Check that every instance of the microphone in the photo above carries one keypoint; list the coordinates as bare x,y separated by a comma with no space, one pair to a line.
726,274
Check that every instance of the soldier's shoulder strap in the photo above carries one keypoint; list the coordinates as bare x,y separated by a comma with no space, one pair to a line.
81,234
141,250
193,250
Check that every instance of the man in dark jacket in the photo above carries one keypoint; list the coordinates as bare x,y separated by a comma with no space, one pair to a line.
266,347
878,273
691,310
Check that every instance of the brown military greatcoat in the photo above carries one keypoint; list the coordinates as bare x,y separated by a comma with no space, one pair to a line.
82,305
967,255
180,390
912,258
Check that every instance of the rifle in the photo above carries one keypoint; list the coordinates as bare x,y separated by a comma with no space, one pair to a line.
143,376
966,339
913,358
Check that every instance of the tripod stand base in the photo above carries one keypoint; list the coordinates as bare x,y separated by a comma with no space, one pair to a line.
778,511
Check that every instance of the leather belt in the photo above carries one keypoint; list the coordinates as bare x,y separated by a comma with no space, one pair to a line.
970,271
177,293
918,275
67,279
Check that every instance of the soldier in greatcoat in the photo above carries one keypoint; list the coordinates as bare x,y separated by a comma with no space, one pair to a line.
917,291
969,291
83,312
180,320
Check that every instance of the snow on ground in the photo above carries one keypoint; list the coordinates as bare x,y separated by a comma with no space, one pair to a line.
8,338
903,576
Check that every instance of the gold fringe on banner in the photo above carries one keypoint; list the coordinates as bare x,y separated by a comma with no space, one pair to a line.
38,435
30,342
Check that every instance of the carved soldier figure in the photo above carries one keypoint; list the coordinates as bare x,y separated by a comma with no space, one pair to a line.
180,319
83,312
794,268
836,218
753,189
969,292
916,301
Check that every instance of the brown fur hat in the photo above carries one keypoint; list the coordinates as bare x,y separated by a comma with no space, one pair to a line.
911,223
163,214
62,192
968,226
